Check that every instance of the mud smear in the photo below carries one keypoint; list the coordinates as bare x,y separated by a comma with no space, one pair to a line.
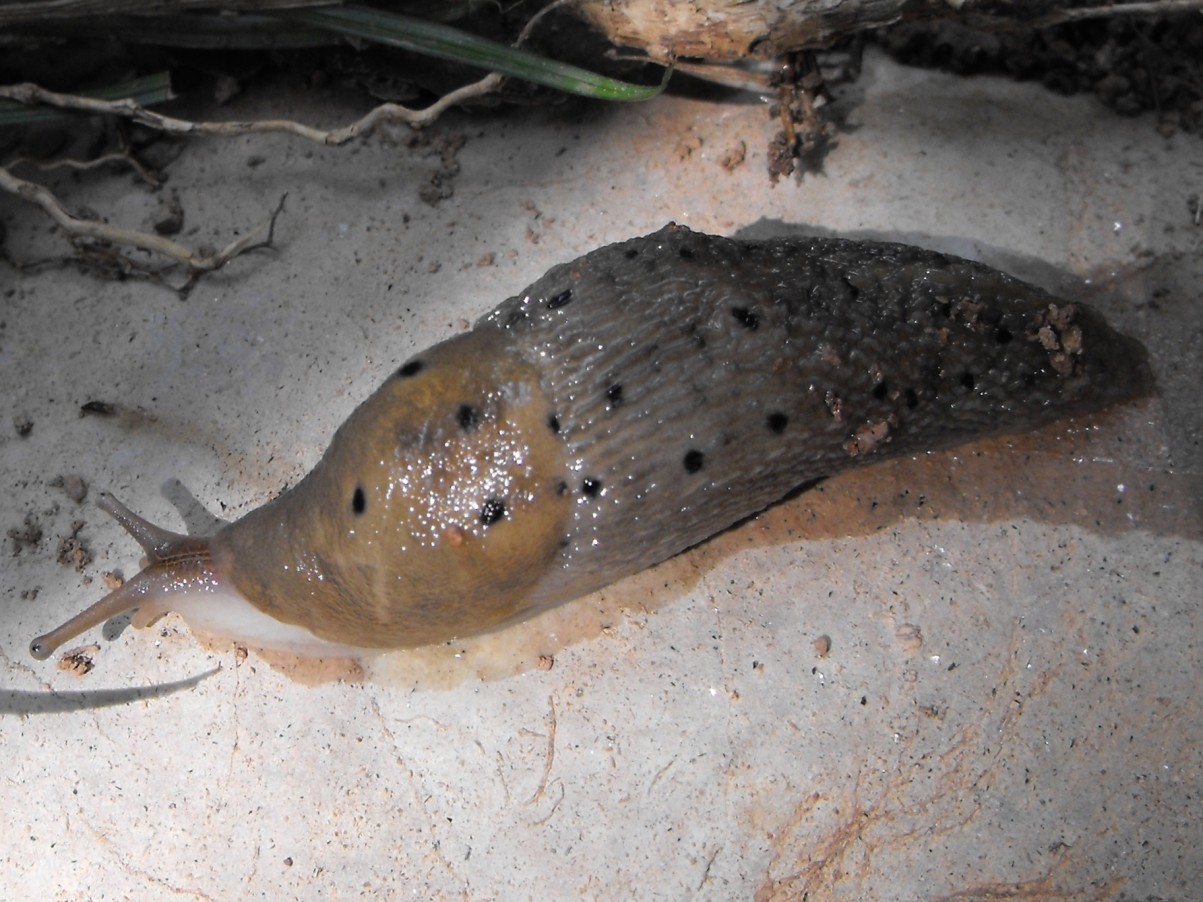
534,644
306,671
1082,473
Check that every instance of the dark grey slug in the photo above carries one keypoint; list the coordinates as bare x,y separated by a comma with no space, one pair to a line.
626,406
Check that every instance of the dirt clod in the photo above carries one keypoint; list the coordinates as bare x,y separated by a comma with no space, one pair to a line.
72,486
78,661
71,550
27,535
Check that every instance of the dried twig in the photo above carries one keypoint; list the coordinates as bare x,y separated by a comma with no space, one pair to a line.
1077,14
550,758
118,157
89,229
386,112
86,230
529,28
196,263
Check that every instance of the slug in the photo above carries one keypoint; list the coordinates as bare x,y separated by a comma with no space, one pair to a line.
623,408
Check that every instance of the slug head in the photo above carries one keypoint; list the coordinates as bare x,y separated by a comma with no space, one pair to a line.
439,503
177,566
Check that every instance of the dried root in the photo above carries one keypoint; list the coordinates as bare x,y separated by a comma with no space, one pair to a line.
386,112
97,243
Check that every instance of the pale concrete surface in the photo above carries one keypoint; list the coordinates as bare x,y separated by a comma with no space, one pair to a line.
1008,708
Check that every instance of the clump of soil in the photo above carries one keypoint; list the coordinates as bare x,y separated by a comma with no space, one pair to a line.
1133,65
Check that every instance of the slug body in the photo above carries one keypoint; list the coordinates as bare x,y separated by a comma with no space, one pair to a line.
626,406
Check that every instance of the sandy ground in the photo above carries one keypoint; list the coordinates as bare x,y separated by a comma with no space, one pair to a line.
1008,705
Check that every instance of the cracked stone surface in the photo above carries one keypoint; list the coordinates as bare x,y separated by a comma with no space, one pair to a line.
964,675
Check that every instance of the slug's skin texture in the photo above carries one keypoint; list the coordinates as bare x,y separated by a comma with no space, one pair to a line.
636,401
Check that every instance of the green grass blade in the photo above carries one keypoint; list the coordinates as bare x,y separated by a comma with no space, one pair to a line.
444,42
145,91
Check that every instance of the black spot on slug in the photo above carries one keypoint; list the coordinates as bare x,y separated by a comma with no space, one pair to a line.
1002,335
591,486
559,300
777,422
967,380
879,390
553,423
745,317
493,510
411,369
614,395
468,418
359,501
631,253
912,399
686,253
693,460
561,488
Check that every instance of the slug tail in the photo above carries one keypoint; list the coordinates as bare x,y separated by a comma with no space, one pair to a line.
176,564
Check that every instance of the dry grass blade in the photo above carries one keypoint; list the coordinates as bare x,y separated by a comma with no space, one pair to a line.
144,91
444,42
